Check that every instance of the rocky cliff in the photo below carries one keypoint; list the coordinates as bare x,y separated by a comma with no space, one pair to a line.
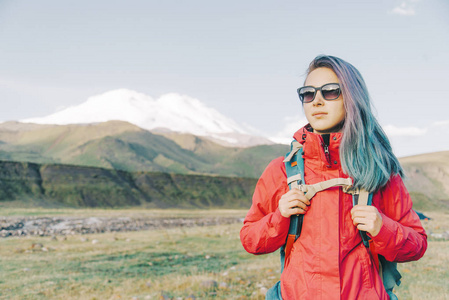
77,186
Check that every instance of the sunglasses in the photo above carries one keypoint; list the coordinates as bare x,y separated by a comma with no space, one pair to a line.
330,91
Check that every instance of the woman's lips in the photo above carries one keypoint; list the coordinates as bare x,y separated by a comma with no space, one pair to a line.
319,114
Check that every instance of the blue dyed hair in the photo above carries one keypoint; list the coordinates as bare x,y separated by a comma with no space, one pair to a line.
365,150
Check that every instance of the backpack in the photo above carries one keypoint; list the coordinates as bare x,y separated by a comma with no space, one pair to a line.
294,165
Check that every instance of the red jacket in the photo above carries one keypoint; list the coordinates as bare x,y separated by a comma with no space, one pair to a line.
329,260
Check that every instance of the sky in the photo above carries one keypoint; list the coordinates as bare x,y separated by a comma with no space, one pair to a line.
243,58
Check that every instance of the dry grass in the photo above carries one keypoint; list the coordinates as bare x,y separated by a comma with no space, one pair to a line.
7,211
428,278
199,262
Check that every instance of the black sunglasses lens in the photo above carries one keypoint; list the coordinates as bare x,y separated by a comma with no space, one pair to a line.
307,94
331,91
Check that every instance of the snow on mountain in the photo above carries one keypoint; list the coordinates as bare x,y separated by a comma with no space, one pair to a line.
172,111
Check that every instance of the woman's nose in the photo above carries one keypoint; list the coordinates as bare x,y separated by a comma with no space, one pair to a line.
318,101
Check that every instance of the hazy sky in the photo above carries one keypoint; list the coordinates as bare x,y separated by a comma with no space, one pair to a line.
243,58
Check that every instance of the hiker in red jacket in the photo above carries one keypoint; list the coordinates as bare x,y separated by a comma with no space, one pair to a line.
343,139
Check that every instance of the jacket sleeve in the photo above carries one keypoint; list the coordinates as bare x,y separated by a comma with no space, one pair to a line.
402,237
264,228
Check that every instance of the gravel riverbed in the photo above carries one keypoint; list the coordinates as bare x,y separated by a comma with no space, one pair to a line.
53,226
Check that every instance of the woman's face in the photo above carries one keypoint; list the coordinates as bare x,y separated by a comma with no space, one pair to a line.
325,116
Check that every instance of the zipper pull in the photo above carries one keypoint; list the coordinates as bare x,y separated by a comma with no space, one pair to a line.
328,155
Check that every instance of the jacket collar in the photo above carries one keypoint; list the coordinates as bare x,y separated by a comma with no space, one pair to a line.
314,147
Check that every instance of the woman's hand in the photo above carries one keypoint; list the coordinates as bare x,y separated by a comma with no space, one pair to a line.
367,218
293,202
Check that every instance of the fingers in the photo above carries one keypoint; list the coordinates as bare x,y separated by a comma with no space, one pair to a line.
366,218
293,202
297,203
296,211
361,221
294,194
364,227
289,211
364,211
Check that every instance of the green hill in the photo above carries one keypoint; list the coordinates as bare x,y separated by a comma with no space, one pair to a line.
78,186
123,146
427,179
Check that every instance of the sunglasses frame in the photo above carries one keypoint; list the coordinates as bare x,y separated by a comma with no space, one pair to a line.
316,89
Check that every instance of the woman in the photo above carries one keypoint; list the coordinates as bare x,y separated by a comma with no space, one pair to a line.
342,139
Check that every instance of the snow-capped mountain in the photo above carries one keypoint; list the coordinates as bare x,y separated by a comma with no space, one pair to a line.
172,111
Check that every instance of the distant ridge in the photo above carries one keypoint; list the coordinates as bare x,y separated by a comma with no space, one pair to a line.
124,146
427,179
170,112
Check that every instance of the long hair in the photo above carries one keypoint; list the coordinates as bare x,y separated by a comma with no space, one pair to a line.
365,151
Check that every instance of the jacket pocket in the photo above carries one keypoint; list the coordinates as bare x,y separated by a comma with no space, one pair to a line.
366,266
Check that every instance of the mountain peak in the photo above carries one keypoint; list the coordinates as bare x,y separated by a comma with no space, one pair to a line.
175,112
119,99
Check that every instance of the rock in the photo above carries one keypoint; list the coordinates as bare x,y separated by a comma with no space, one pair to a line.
443,236
95,242
5,233
209,284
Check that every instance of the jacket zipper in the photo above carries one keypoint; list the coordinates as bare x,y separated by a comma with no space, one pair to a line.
326,153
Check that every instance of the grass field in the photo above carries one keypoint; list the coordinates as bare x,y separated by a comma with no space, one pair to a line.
179,263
